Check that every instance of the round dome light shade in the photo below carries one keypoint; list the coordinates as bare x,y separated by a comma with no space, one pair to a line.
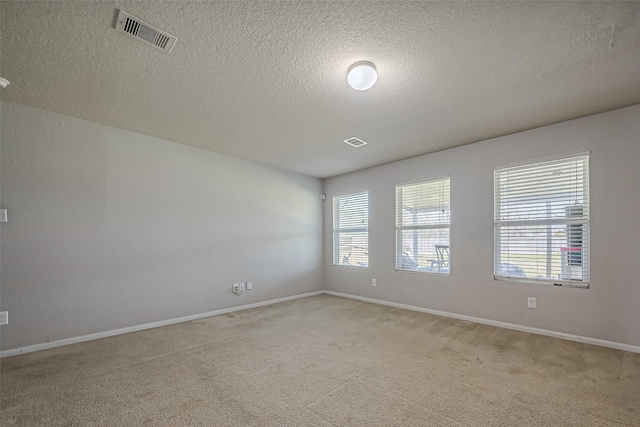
362,75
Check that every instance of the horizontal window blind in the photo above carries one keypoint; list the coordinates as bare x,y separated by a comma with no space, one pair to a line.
423,217
541,219
351,230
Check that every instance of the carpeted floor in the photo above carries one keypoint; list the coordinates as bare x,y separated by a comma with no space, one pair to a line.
323,361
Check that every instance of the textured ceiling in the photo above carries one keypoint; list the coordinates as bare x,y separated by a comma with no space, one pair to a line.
266,81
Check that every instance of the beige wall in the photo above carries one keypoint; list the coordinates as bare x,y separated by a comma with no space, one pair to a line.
609,310
109,228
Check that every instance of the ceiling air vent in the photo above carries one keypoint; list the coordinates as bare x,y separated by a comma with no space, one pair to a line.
355,142
142,31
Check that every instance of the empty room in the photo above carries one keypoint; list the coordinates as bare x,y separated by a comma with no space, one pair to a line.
319,213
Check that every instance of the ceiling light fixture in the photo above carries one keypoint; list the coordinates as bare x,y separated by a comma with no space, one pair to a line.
4,82
362,75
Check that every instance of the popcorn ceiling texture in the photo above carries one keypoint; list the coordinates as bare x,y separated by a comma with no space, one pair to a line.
266,81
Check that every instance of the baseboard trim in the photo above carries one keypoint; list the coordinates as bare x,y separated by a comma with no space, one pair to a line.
513,326
105,334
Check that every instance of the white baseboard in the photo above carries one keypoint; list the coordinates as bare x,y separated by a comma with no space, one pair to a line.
513,326
105,334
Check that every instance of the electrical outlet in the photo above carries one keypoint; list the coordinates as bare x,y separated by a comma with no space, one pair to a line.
4,318
3,215
236,288
249,286
373,282
531,302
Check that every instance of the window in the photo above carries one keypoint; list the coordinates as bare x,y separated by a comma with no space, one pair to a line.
541,221
351,230
423,218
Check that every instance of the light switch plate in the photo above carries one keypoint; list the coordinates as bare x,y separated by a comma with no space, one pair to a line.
531,302
3,215
249,286
4,317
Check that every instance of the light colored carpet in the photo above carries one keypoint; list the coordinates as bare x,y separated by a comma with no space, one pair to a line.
323,361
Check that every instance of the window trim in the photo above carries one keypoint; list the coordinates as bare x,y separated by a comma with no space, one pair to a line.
580,284
420,227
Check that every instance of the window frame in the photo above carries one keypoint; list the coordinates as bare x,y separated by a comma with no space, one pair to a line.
585,220
337,231
400,228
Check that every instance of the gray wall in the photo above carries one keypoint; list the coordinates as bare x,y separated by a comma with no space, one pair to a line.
109,229
609,310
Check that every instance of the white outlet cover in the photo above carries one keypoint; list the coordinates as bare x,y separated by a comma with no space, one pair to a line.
249,286
3,215
4,318
531,302
373,282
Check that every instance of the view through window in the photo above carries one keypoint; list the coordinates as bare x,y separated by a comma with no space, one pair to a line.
423,218
541,223
351,230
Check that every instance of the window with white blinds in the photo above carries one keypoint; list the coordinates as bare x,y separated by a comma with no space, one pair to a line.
541,218
423,219
351,230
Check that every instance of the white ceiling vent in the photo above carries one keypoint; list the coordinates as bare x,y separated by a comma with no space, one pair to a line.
355,142
142,31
